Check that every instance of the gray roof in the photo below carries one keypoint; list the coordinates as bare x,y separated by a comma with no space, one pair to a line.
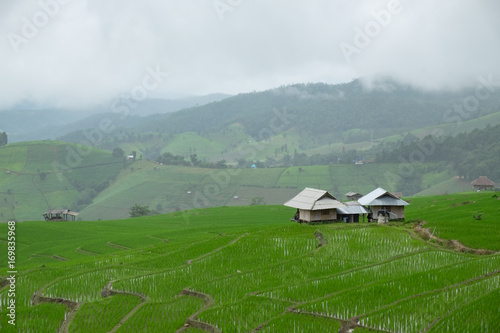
381,197
354,209
60,211
313,199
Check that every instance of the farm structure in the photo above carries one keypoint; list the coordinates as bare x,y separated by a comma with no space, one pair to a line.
385,204
483,183
315,205
353,196
60,215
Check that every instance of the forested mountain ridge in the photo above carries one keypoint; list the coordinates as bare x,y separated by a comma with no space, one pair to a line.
470,155
319,108
317,112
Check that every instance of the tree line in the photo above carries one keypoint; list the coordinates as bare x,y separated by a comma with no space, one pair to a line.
470,155
3,138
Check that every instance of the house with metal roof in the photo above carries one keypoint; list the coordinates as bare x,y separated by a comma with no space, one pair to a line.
315,205
352,212
383,203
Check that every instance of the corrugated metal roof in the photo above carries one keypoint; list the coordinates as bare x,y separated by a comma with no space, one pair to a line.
313,199
355,209
381,197
60,211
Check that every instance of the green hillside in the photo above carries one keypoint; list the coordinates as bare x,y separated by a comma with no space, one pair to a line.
452,217
249,269
36,176
172,188
307,118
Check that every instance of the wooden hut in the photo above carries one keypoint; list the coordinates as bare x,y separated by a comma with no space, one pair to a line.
315,206
383,203
483,183
60,215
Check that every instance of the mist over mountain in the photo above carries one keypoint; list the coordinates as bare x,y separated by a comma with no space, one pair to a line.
29,121
350,112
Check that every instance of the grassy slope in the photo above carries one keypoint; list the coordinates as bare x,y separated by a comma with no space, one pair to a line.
232,142
235,251
452,217
167,187
25,194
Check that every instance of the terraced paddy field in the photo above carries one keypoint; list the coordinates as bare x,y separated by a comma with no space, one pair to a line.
249,269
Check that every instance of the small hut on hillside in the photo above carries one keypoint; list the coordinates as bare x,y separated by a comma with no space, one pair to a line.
483,183
60,215
353,196
383,203
314,206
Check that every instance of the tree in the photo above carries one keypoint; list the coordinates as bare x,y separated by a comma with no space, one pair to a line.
256,201
3,138
138,210
118,152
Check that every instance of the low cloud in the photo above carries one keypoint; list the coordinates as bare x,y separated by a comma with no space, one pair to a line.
89,52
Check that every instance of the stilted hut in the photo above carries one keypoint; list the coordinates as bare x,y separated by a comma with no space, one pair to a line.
383,203
315,206
60,215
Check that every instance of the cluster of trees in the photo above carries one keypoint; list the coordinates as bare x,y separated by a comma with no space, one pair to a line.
142,210
88,192
3,138
171,159
471,154
302,159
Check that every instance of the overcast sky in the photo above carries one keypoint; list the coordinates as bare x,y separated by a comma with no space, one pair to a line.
74,53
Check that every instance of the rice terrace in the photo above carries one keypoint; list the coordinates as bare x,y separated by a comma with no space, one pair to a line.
250,269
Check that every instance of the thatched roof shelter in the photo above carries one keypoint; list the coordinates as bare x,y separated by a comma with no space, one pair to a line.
483,183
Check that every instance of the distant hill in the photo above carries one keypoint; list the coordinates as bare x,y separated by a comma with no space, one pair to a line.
27,124
311,118
331,111
36,176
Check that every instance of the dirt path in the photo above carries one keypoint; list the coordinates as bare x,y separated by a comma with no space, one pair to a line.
216,250
65,324
37,298
426,234
121,247
107,291
193,321
59,258
423,294
79,250
347,325
41,192
164,240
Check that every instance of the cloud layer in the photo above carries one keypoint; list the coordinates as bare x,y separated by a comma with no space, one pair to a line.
75,53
